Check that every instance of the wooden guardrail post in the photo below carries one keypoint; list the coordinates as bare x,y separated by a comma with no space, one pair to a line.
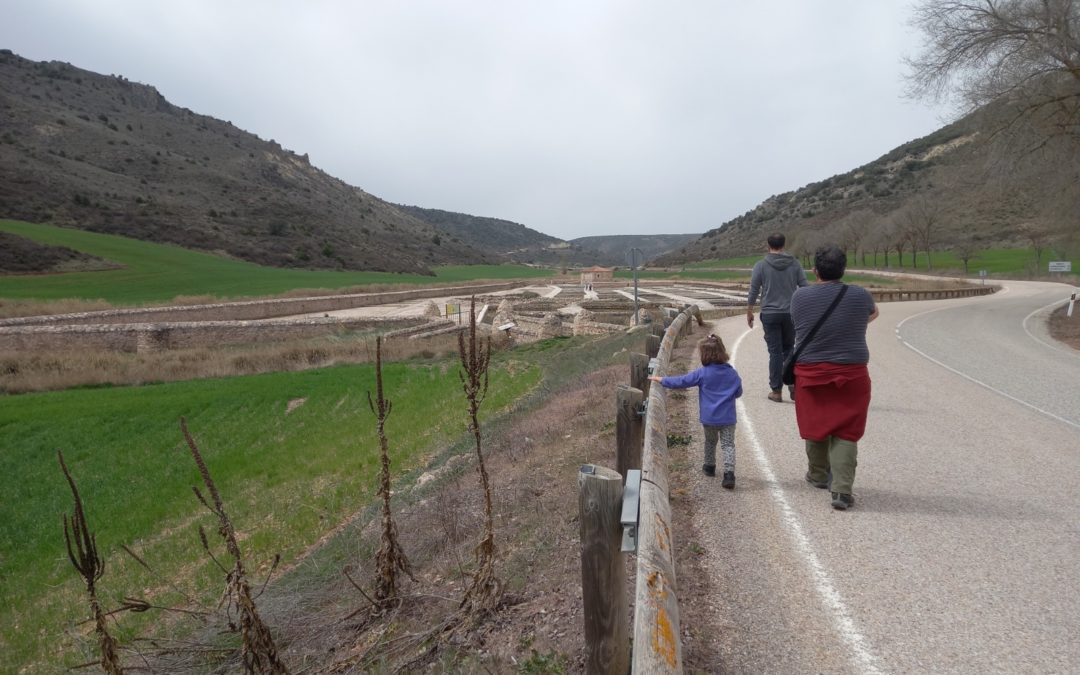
639,371
629,429
652,345
603,576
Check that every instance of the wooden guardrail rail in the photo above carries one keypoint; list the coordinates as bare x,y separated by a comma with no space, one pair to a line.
901,294
657,641
640,515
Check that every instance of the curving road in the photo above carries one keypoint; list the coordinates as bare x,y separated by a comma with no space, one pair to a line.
962,553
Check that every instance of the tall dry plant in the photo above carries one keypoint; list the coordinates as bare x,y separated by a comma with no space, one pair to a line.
483,593
259,652
390,558
82,550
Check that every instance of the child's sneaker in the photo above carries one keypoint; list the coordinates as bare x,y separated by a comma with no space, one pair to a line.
709,469
729,480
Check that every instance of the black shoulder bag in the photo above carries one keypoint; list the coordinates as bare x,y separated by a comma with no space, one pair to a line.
788,376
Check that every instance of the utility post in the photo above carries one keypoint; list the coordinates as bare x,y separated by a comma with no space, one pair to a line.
635,257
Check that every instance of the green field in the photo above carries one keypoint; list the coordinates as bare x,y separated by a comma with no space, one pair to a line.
743,275
286,479
156,272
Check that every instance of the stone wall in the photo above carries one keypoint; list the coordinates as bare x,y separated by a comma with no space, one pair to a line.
251,310
145,337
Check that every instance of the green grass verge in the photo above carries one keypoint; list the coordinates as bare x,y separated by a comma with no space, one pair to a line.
286,479
689,274
157,272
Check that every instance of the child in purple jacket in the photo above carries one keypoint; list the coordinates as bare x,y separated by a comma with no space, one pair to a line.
718,386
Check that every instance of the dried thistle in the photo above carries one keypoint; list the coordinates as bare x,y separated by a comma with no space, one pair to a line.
484,590
390,559
259,652
82,550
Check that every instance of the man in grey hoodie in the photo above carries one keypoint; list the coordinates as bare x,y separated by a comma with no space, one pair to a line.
775,278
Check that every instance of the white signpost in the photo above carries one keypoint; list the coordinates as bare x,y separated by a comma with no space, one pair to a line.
1060,266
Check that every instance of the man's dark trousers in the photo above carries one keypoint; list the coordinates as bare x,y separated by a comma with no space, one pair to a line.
780,339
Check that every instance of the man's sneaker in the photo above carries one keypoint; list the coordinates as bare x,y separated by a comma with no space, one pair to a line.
824,485
774,395
709,469
729,480
842,501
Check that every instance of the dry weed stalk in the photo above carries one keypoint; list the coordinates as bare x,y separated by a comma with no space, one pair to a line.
390,558
259,652
82,550
483,593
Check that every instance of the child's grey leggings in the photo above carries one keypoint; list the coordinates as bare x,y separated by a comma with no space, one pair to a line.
726,436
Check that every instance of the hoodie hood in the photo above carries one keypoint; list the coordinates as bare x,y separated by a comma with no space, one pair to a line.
779,261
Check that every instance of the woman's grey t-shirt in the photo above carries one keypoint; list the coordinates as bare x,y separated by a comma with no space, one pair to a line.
842,338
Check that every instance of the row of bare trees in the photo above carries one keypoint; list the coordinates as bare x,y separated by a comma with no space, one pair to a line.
918,228
259,653
1024,57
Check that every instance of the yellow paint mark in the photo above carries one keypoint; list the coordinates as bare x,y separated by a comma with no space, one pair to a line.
663,639
664,542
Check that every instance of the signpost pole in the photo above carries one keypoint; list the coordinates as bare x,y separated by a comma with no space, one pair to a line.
635,257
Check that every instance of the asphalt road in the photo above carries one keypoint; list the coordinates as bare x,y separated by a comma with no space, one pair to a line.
962,553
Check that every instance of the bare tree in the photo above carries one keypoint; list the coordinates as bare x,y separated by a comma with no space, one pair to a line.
854,228
82,550
390,559
1038,237
896,239
978,51
484,591
966,249
877,240
921,219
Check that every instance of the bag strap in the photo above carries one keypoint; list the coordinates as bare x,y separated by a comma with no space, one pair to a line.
814,330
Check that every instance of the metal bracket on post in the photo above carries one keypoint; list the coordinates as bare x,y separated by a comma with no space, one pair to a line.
654,364
643,409
630,504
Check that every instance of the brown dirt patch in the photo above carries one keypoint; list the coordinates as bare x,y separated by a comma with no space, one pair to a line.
533,460
1065,329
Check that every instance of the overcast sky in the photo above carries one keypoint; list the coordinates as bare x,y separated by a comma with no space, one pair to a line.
574,118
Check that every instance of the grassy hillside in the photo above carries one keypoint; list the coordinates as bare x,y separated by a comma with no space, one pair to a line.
983,182
157,272
98,152
287,477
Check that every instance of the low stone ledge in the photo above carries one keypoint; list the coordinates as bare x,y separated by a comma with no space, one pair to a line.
250,310
144,337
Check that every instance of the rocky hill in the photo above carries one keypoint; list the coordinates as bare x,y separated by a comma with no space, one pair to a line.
519,243
507,239
990,179
612,249
102,153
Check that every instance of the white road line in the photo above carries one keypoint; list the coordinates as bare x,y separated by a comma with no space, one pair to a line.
969,378
866,662
1036,338
983,384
